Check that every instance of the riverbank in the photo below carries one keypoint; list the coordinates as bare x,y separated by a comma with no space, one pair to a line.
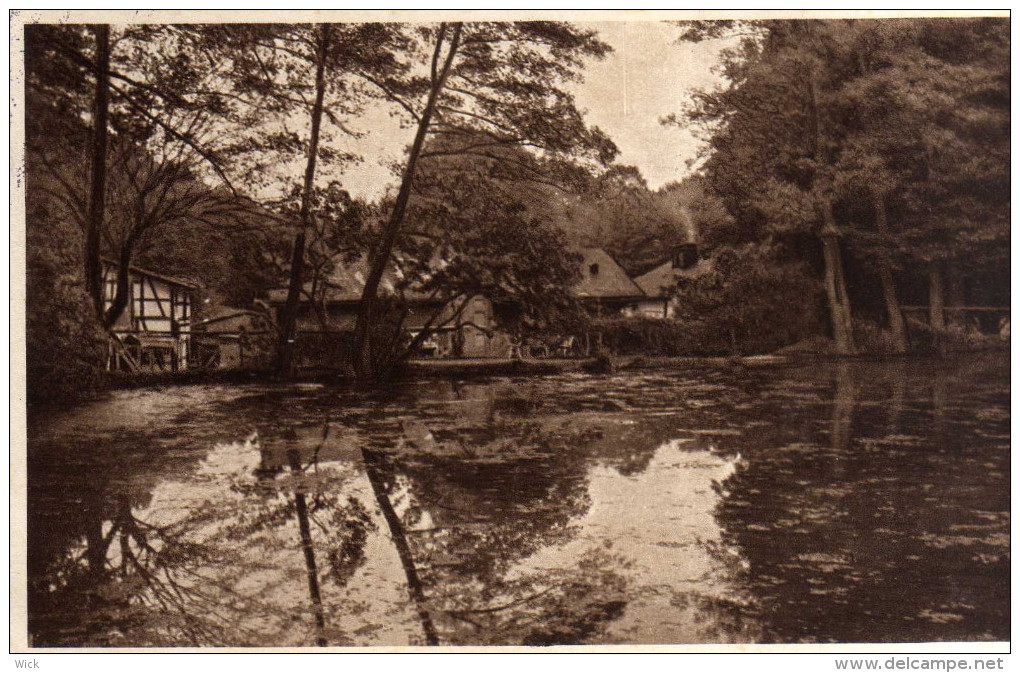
484,368
450,368
489,367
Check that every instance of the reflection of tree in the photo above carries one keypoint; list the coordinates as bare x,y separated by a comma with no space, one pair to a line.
84,548
877,523
898,385
134,578
477,499
139,577
400,541
309,551
842,407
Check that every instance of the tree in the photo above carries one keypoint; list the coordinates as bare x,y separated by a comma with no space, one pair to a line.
335,238
146,88
923,109
777,112
64,338
295,74
146,195
478,231
149,106
97,187
65,341
79,136
152,142
489,85
285,359
870,133
751,298
637,226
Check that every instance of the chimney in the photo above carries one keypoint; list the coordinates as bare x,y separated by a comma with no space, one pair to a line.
685,256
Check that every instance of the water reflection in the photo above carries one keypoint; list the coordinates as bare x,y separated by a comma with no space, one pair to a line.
844,503
396,528
852,532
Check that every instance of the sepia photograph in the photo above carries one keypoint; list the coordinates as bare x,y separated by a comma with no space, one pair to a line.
509,331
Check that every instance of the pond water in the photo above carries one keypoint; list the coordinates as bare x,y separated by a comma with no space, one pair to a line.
841,502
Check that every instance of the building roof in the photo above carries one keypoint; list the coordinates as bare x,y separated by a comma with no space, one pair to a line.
219,313
182,282
347,283
658,282
603,278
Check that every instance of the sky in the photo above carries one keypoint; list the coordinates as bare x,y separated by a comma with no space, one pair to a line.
647,77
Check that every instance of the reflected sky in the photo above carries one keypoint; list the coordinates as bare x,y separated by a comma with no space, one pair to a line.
846,503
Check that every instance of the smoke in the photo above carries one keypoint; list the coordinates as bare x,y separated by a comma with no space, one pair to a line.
689,226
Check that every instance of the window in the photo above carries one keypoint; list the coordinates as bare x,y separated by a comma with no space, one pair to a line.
594,268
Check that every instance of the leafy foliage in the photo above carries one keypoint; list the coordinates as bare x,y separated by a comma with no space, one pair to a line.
494,92
753,297
891,133
66,345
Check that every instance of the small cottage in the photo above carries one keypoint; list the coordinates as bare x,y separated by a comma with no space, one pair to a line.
604,287
231,338
470,335
658,284
153,334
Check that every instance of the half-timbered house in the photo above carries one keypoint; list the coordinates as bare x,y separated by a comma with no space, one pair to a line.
153,334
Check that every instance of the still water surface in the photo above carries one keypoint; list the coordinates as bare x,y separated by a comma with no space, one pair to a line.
825,503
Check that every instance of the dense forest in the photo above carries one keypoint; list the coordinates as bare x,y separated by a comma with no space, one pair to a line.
866,162
851,168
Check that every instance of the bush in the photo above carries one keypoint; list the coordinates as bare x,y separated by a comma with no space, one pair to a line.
871,339
656,337
751,300
66,347
954,338
602,364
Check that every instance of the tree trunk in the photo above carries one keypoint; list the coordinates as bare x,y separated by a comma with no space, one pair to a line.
123,290
97,188
363,364
936,308
897,327
835,283
288,315
957,296
414,584
835,288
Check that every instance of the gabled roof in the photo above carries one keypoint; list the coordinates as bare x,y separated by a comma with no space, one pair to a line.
603,278
191,285
347,283
658,282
